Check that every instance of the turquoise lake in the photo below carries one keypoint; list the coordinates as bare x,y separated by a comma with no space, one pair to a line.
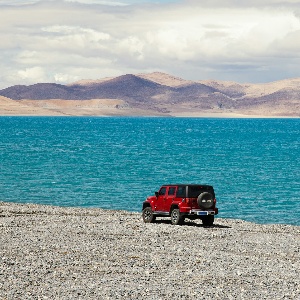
116,162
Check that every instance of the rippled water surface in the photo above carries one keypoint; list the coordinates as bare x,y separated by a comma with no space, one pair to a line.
115,163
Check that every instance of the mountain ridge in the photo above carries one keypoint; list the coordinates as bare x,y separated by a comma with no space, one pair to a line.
161,94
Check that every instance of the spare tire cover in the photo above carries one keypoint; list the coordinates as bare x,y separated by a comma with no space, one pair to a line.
205,200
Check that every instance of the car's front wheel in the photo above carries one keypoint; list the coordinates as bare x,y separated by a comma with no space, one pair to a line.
148,216
176,217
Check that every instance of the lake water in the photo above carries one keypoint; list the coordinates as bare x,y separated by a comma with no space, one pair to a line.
114,163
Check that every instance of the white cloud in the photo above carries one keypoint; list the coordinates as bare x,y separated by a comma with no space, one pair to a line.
70,37
131,45
62,78
34,73
17,2
230,37
76,30
111,3
27,75
65,40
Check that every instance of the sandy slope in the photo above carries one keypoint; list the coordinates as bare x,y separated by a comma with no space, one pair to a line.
255,89
10,107
165,79
58,107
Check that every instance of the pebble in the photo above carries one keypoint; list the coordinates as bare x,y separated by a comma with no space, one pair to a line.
49,252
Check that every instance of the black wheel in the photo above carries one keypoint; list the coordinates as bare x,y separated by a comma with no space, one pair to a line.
205,200
176,217
148,216
208,220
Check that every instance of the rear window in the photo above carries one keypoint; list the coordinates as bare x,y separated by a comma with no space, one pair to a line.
195,191
171,191
180,192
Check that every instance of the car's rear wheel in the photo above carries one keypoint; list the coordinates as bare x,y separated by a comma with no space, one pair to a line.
208,220
148,215
176,217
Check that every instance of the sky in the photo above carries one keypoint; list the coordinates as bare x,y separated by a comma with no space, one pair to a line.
63,41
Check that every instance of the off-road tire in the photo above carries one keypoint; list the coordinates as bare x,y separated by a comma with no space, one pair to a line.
205,200
208,220
176,217
148,215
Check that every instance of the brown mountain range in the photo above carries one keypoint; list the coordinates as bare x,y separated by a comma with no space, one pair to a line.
154,94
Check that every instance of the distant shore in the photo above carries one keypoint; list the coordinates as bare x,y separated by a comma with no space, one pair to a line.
115,108
52,252
181,115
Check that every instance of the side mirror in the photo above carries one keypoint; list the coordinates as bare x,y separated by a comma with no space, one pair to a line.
156,194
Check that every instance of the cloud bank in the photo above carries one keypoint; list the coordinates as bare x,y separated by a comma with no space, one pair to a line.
64,41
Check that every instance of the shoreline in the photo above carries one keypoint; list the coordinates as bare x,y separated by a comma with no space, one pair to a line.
90,208
200,116
90,253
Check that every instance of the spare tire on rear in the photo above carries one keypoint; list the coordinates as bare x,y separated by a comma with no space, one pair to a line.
205,200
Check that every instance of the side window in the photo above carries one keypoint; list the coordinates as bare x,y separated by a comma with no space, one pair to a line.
172,190
162,191
180,192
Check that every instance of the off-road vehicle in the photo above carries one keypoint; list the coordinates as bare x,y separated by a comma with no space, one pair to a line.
180,201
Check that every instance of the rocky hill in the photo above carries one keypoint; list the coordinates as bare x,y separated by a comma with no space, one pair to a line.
153,94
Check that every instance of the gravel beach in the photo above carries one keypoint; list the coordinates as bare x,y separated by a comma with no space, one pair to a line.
51,252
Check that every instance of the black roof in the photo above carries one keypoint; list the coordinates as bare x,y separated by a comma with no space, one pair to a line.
187,184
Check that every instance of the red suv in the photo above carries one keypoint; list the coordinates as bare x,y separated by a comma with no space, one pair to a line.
180,201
